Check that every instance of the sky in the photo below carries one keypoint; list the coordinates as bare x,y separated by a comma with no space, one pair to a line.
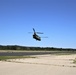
55,18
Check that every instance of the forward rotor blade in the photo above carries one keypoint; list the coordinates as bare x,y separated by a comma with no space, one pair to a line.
44,37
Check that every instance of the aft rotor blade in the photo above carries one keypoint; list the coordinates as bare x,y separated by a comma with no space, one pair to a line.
39,32
34,30
30,32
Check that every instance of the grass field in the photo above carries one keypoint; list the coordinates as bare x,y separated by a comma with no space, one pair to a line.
74,61
4,58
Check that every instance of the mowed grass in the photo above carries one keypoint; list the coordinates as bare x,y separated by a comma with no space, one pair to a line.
14,57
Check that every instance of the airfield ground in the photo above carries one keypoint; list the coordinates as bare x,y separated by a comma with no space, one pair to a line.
50,64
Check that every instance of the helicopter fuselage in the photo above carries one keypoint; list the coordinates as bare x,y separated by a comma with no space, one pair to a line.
35,36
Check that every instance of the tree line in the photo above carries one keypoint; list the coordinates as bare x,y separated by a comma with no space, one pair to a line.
16,47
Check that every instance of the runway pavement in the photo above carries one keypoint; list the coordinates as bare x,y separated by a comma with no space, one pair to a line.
25,53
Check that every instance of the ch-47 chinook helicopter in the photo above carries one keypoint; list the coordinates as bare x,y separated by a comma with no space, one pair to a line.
37,37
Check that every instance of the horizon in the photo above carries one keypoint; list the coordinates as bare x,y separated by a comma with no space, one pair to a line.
38,46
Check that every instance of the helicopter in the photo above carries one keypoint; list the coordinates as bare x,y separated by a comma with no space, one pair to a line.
36,36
